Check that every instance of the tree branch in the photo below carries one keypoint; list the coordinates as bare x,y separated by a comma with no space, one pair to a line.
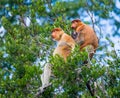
41,90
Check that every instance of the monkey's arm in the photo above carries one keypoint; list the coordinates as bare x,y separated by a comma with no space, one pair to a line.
69,45
80,39
80,28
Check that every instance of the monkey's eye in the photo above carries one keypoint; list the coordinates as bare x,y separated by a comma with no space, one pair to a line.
74,35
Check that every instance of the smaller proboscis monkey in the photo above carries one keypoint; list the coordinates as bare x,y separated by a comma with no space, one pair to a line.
84,35
65,43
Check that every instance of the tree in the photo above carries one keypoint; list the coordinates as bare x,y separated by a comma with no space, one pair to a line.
26,46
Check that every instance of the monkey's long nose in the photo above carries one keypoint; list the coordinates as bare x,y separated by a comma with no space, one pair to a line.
52,35
72,27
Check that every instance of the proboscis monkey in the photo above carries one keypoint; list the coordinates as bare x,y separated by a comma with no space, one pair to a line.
84,35
65,43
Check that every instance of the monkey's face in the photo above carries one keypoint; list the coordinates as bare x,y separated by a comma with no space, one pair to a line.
74,25
56,35
78,38
74,35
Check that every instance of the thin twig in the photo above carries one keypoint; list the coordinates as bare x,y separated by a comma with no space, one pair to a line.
41,90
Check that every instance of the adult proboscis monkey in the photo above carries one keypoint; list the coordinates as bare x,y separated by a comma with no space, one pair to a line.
84,35
65,43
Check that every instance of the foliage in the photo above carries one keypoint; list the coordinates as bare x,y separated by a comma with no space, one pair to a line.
26,45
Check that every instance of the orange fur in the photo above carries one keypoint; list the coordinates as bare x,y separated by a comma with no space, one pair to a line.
65,43
85,35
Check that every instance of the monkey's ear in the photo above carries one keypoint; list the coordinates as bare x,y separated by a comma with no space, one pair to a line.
76,20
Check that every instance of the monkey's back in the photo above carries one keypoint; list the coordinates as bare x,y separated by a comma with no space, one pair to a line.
64,46
90,36
63,50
